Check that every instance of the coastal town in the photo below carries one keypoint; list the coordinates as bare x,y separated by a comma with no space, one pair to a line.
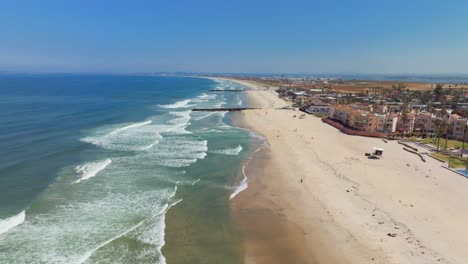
234,132
375,164
396,111
429,113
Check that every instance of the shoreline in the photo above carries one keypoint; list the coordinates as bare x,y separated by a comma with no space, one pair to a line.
348,209
269,235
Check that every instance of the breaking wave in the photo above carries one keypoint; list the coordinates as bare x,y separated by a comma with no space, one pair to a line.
144,123
131,193
180,153
243,185
134,137
230,151
11,222
195,182
178,104
91,169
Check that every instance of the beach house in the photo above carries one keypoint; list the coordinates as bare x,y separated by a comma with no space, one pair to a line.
316,106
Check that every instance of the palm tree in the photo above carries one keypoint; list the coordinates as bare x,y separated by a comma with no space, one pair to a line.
465,130
438,91
448,128
440,127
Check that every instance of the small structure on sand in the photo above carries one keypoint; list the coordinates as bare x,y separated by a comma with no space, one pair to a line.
376,153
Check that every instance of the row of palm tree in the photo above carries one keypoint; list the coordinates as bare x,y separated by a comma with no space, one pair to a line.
444,129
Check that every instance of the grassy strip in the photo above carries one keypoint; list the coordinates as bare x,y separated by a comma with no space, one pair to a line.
455,162
451,143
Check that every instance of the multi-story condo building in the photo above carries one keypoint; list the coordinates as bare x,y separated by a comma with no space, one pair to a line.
458,126
405,123
424,122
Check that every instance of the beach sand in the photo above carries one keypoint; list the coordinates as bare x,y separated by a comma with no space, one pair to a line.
346,205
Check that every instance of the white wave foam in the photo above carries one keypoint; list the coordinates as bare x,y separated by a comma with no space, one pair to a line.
144,123
90,169
222,114
239,100
133,137
11,222
195,182
210,130
241,187
181,122
156,235
182,130
181,114
178,104
230,151
227,85
219,104
220,123
161,245
244,183
203,96
204,116
95,217
149,146
180,152
88,254
207,96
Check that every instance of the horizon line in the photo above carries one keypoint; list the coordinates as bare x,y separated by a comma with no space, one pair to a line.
234,73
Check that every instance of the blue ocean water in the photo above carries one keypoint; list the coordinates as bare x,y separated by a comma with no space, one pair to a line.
90,165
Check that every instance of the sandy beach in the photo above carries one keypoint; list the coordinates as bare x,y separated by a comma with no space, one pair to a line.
314,197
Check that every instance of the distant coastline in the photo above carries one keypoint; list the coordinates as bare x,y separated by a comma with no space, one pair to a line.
395,77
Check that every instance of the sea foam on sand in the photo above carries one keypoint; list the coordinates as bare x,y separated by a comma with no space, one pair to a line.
244,183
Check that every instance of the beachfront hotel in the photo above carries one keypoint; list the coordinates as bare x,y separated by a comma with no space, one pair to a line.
458,126
358,117
378,118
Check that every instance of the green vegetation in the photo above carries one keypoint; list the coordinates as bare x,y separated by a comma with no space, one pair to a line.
455,162
454,144
320,115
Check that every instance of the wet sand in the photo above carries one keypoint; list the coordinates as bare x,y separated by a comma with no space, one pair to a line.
269,236
347,209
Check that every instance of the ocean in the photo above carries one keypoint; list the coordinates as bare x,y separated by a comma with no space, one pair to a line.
119,169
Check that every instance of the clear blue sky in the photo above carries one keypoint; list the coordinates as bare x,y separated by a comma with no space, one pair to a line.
370,36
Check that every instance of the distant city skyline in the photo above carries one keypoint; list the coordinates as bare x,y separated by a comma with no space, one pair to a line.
361,37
